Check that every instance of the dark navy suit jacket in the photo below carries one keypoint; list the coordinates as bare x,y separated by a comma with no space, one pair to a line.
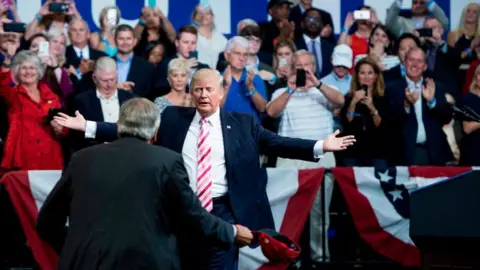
88,104
244,140
437,146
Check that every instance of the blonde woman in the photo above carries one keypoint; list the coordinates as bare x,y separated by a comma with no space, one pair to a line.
210,42
56,75
469,28
470,145
364,116
178,73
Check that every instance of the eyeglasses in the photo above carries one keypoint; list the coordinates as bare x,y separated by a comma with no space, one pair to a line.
253,38
418,2
313,19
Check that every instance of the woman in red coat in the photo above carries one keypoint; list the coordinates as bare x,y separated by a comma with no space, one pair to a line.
31,142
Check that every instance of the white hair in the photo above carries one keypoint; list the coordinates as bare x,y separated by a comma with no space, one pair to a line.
178,64
305,52
27,56
245,22
105,63
237,41
139,117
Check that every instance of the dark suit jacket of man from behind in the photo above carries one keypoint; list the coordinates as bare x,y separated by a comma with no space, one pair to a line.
244,140
125,202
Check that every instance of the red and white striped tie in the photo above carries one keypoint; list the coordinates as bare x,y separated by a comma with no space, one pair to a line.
204,167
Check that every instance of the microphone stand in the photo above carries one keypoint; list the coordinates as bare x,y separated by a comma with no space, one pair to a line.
471,115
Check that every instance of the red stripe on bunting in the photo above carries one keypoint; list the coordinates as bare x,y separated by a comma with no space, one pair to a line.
367,224
436,172
18,186
298,209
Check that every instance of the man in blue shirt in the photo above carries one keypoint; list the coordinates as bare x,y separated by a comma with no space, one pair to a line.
246,92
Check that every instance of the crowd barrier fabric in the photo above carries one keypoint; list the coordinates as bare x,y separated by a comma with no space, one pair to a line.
291,194
378,201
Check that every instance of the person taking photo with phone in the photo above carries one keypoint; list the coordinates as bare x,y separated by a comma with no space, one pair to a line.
365,116
53,14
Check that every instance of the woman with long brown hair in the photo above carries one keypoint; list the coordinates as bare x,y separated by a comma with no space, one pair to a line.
364,116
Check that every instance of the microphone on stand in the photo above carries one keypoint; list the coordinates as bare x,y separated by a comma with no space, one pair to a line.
470,115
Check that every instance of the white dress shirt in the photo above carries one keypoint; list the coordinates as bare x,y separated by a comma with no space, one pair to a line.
110,107
417,87
85,52
215,140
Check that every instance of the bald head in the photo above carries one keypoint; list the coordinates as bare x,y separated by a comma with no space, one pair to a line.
207,91
79,33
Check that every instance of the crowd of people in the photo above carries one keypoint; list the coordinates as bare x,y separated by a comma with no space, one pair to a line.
390,84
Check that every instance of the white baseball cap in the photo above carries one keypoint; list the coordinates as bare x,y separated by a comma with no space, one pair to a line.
342,56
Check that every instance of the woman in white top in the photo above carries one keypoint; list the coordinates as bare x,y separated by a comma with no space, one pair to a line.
210,43
380,48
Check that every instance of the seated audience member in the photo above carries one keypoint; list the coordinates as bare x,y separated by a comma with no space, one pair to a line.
310,39
247,90
442,60
362,29
104,39
134,73
154,52
380,48
178,71
186,44
470,145
297,15
45,20
468,29
155,26
32,141
365,115
210,42
418,14
419,111
340,78
404,43
56,75
80,57
102,103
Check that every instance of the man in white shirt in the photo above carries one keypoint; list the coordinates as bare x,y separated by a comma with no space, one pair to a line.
103,103
221,154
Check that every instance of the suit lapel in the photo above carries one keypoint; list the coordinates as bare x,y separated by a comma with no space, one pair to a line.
228,139
97,108
131,71
182,127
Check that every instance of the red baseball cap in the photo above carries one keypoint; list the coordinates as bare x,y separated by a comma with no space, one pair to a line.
277,247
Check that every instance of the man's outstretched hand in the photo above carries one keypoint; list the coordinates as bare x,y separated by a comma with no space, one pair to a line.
244,236
76,123
333,143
